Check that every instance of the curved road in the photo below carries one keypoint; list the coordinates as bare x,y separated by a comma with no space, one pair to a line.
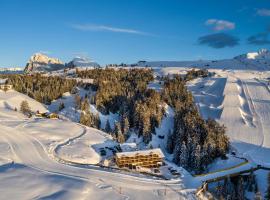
32,153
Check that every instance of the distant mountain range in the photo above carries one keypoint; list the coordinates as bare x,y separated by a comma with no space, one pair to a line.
250,61
11,70
42,63
259,60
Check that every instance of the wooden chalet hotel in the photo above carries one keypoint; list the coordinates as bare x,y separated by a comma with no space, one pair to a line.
152,158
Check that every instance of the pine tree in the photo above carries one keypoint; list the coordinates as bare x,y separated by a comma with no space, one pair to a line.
77,101
85,118
120,138
251,181
183,161
177,153
61,106
97,121
191,148
24,108
117,129
240,189
268,189
124,125
198,158
108,127
170,142
85,105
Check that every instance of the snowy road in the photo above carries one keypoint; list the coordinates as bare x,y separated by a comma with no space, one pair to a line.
32,153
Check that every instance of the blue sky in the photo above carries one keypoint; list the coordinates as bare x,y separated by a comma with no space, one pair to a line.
114,31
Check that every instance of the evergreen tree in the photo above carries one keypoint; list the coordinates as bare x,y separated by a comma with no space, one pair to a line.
183,161
85,118
124,125
177,154
198,158
108,127
61,106
251,182
77,101
170,142
97,121
268,188
24,108
117,129
120,138
240,189
85,105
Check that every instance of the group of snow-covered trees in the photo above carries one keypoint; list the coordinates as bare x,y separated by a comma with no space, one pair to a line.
125,92
237,188
41,88
87,118
194,142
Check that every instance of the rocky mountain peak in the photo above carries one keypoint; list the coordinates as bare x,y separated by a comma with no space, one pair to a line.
41,62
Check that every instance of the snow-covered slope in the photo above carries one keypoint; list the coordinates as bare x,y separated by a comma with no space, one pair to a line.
251,61
240,101
35,172
12,99
82,62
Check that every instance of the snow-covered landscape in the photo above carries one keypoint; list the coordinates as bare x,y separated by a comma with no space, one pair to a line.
135,100
65,157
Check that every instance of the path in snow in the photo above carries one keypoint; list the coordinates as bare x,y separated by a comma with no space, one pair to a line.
31,153
260,98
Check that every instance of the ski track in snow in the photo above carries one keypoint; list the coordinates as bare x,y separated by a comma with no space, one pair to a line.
32,153
243,106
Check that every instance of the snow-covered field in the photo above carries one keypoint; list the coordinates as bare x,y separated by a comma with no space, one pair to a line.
30,168
38,156
240,101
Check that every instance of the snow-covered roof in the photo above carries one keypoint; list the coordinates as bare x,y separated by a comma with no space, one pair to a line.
3,81
128,146
141,152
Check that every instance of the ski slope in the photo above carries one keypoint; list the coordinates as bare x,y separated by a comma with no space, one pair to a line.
240,101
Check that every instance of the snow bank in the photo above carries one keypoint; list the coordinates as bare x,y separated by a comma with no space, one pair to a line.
85,149
12,99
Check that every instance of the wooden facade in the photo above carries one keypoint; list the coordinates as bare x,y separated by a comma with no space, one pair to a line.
146,159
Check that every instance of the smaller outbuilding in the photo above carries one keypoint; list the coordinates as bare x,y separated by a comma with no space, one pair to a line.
4,86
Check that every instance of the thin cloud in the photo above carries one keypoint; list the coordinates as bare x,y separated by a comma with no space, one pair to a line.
263,12
220,25
219,40
94,27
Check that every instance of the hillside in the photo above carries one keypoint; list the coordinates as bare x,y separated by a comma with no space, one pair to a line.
250,61
12,99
